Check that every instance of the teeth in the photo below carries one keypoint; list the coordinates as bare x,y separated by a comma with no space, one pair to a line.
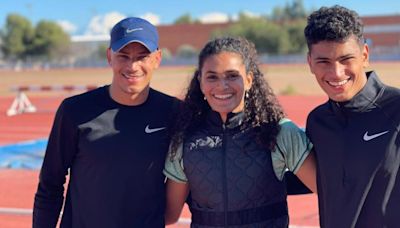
338,83
223,96
128,77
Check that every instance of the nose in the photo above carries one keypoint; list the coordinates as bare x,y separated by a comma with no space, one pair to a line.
338,69
134,64
223,82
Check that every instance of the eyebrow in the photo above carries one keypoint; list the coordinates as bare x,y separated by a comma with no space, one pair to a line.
225,72
338,58
232,71
321,59
346,56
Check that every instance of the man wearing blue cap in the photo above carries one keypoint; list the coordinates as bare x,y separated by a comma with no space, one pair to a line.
112,141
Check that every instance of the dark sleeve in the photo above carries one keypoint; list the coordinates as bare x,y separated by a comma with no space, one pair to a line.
175,108
60,151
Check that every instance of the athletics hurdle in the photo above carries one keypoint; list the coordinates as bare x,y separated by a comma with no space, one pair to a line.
21,102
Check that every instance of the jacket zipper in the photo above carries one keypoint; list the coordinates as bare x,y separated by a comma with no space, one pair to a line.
224,176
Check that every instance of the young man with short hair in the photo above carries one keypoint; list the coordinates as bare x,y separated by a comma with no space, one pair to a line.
356,132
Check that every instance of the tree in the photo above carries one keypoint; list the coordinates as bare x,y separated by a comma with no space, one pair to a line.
297,40
272,37
185,19
291,11
101,52
16,37
50,41
292,18
296,10
186,51
268,37
20,40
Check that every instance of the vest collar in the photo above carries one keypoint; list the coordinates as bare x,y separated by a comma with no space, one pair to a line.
233,119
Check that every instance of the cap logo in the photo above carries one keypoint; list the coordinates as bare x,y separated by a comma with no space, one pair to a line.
132,30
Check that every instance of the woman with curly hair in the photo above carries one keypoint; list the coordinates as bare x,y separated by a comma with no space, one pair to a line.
231,144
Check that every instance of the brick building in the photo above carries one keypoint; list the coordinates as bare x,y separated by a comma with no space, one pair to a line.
382,33
195,35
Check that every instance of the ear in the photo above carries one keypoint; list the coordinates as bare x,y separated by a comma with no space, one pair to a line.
109,53
197,76
309,62
157,58
365,53
248,81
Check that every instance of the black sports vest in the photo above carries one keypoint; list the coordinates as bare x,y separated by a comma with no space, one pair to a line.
231,178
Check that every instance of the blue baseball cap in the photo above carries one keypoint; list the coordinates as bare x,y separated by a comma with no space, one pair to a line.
134,29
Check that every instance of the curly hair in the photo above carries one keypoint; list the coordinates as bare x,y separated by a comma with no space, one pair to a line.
261,110
335,23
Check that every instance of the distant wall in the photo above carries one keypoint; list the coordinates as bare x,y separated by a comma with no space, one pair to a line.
382,33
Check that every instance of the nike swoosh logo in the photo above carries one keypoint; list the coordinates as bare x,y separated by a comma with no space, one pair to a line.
370,137
132,30
149,130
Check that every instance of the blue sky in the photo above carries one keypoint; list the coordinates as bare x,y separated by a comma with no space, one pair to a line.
80,17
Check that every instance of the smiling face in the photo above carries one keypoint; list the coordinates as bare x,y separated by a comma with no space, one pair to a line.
132,68
339,67
223,81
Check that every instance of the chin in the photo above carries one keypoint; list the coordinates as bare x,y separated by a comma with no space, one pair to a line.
219,109
340,98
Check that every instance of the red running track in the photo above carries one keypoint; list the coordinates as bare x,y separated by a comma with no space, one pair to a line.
17,187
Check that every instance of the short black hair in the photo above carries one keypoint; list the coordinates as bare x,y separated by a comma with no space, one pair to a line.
335,23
